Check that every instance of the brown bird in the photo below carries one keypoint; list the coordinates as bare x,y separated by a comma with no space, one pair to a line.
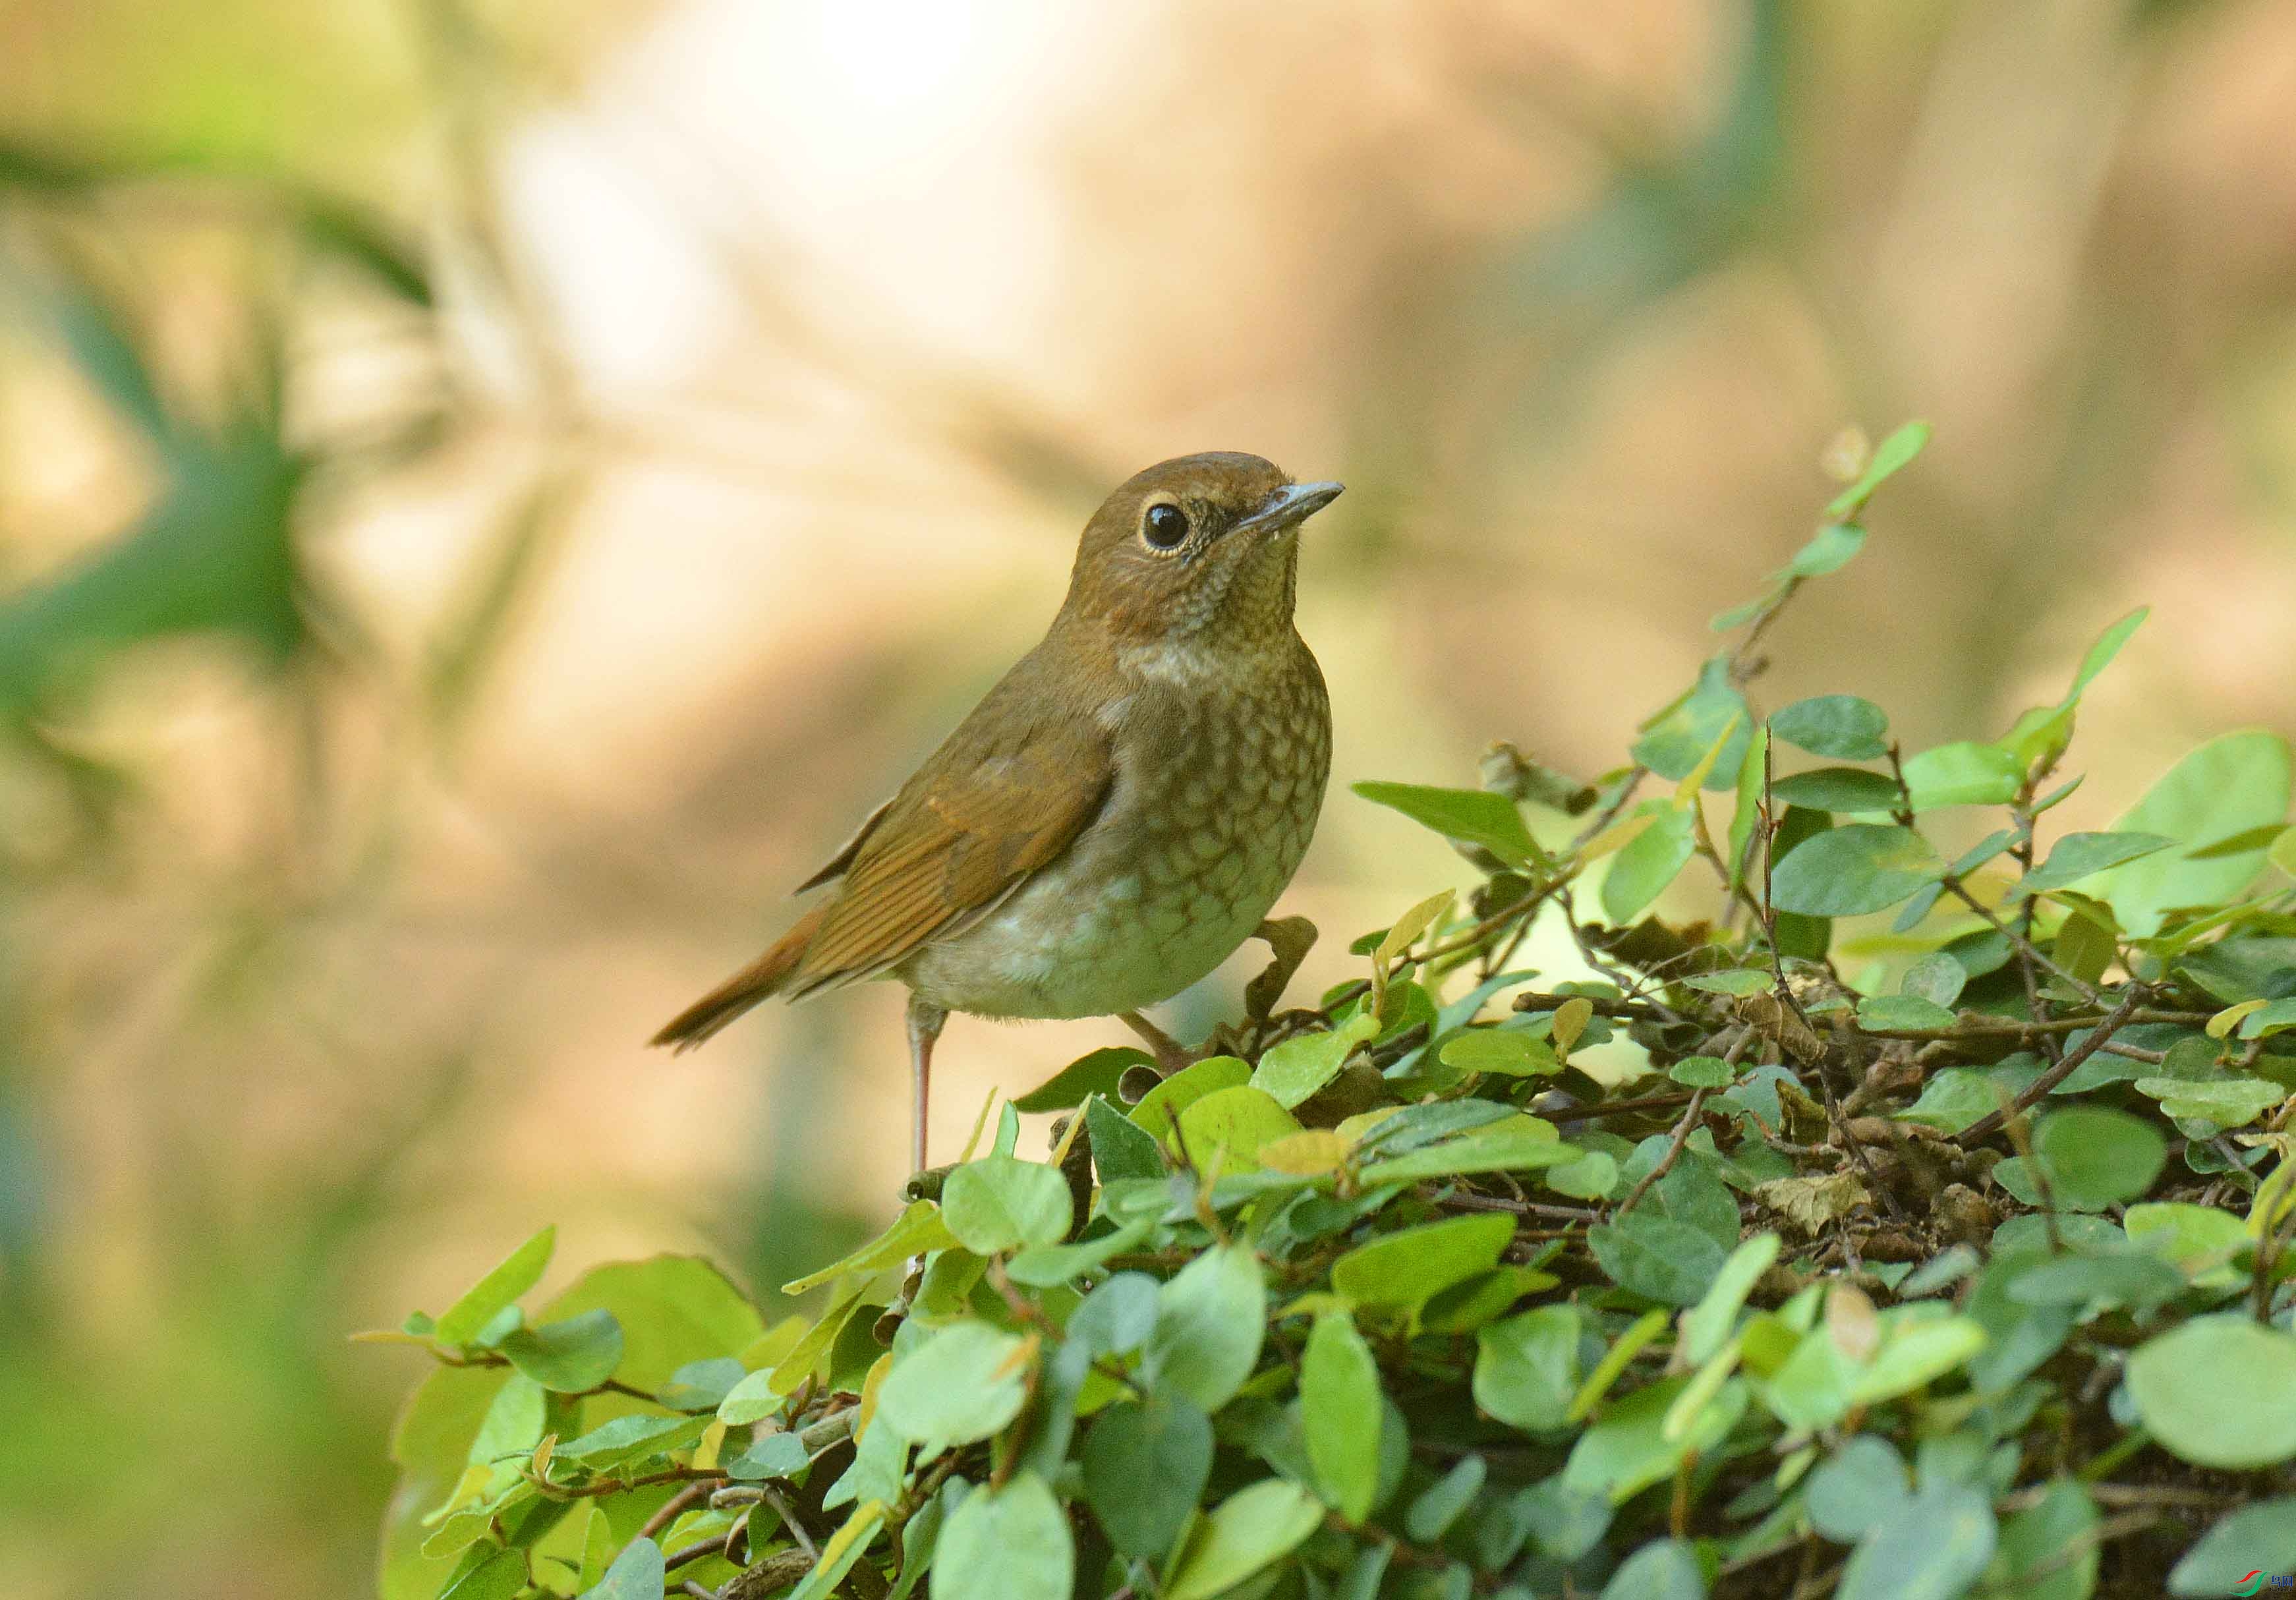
1119,812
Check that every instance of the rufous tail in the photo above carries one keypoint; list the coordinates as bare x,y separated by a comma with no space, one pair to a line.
760,979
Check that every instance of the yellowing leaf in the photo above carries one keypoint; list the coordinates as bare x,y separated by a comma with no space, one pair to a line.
1617,836
1409,926
2220,1025
1307,1153
1570,1020
1685,793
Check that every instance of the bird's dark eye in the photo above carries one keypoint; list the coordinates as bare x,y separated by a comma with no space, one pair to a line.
1166,526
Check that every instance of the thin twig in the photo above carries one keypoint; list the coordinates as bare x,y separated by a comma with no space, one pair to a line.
671,1509
2024,947
1521,1208
1673,1150
1986,1126
781,1506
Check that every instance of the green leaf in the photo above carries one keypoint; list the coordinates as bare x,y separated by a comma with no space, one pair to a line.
624,1439
1746,813
2260,1536
1592,1176
917,1231
636,1574
1964,774
1707,1326
1507,1148
1856,1488
1886,1012
2097,1156
1849,870
1121,1148
1211,1319
512,1427
492,1575
2077,1280
1438,1506
844,1553
1830,549
769,1455
1227,1127
1408,1268
966,1381
1665,1569
1145,1465
1508,1051
1735,980
519,1272
1092,1074
2255,1019
1526,1369
1013,1543
1678,738
2219,1390
1932,1547
1937,977
703,1385
1805,937
1465,815
2241,843
1839,789
2035,1542
1916,1353
1658,1257
1890,456
568,1357
430,1445
1159,1106
1050,1264
1652,860
2234,783
1704,1072
1339,1413
1117,1317
1627,1450
1248,1532
2226,1102
1841,727
1292,1072
1956,1097
998,1203
2199,1239
2107,646
673,1309
2079,855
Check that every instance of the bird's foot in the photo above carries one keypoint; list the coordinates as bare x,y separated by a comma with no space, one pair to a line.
1171,1055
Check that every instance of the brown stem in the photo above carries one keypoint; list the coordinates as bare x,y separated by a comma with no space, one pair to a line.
1673,1150
671,1509
2114,1019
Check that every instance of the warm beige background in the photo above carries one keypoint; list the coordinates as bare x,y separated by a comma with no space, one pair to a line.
825,322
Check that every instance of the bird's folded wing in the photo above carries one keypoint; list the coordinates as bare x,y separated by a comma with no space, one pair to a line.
991,807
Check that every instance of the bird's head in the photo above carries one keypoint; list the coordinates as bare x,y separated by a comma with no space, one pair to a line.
1203,548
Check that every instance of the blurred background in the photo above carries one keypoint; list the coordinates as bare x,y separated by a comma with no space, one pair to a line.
491,492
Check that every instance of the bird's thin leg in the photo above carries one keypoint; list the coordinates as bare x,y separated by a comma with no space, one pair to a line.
1171,1055
925,1020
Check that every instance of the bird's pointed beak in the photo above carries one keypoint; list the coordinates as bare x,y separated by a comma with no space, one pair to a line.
1289,506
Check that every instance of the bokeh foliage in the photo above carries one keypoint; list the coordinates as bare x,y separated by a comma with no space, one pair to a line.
323,972
1949,1254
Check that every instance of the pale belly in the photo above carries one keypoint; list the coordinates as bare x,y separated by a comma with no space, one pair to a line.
1177,874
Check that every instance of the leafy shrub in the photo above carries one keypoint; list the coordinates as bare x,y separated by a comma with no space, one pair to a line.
1949,1258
